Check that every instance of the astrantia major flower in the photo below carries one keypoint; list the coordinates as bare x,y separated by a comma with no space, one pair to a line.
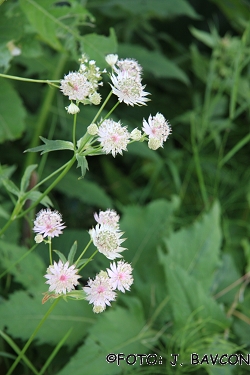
158,130
48,223
131,66
111,59
128,89
113,137
107,240
76,86
120,275
108,217
100,292
72,109
61,277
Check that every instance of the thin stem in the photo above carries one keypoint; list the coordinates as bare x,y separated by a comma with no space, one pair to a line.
235,149
112,110
54,183
101,108
84,251
50,250
16,78
198,166
32,337
74,131
18,261
90,258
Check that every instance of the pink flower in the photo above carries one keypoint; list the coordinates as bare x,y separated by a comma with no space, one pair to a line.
158,130
99,292
113,137
48,223
108,217
61,277
120,275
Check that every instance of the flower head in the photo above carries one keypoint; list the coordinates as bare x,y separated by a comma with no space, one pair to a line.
158,130
109,218
136,134
48,223
107,240
100,292
72,109
120,275
61,277
131,66
92,129
111,59
113,137
76,86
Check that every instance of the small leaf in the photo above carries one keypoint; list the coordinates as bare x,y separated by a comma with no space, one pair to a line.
83,261
72,253
35,195
82,163
11,187
26,177
61,256
51,145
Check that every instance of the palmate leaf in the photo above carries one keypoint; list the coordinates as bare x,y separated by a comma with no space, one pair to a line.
52,145
117,330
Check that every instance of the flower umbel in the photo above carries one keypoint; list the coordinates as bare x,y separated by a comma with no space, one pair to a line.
158,130
113,137
48,223
61,277
108,217
128,89
100,292
107,240
120,275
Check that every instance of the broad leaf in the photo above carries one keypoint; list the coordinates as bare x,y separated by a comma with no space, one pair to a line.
12,113
82,163
26,177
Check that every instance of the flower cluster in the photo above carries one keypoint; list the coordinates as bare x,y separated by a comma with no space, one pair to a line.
48,224
126,81
106,235
158,129
101,291
82,86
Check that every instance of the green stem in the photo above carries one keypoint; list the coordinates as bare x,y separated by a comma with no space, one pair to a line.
235,149
103,105
84,251
50,250
74,131
44,111
16,78
18,261
90,258
198,166
32,337
54,183
112,110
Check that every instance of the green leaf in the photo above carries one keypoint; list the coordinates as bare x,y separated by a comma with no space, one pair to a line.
35,195
117,330
29,272
23,311
206,38
82,163
61,256
82,261
40,16
72,253
154,62
11,187
12,113
51,145
98,46
26,177
197,248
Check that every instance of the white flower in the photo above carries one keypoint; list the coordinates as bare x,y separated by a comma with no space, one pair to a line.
135,134
120,275
109,218
113,137
72,109
158,130
128,89
107,240
111,59
76,86
100,292
48,223
95,98
131,66
92,129
38,238
61,277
